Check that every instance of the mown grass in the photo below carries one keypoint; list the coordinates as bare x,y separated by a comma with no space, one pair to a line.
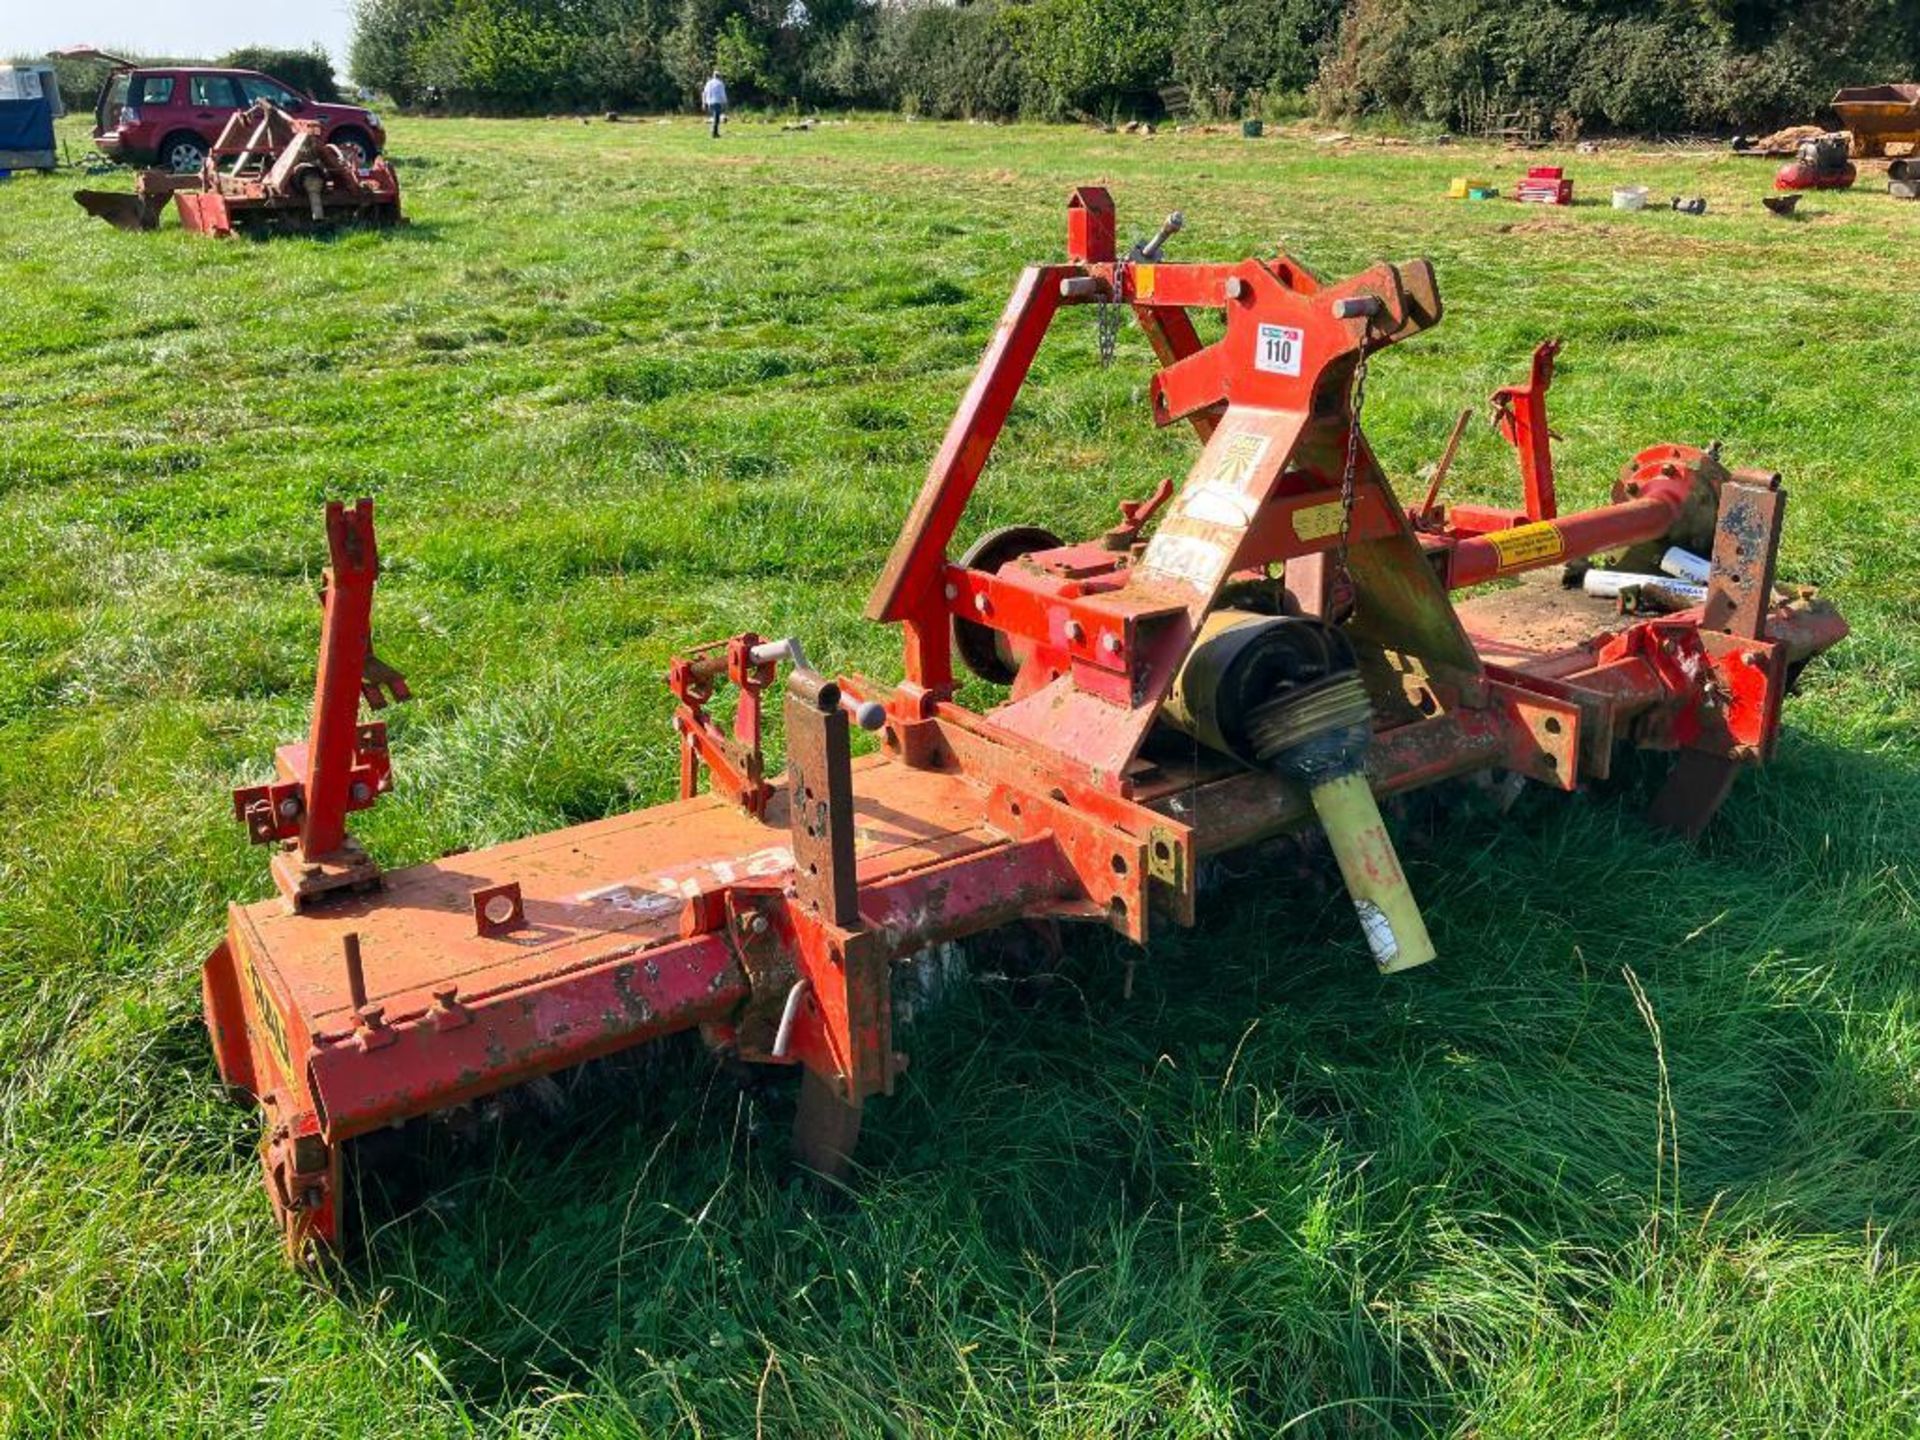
1638,1156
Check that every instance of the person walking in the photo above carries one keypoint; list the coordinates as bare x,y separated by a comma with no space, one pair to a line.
714,97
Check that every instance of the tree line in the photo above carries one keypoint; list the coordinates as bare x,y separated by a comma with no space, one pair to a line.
988,58
1640,65
1647,66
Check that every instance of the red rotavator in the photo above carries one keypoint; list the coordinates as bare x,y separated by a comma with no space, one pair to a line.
1264,647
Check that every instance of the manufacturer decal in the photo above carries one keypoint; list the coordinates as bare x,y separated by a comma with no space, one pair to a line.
1238,461
1218,504
266,1012
665,891
1316,522
1186,558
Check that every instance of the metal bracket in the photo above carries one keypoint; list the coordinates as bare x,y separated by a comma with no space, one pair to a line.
1746,544
1520,415
820,798
498,909
343,765
734,762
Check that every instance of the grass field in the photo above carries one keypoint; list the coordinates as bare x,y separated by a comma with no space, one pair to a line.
1638,1157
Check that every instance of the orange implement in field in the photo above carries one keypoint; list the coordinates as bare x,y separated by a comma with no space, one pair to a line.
1261,649
268,170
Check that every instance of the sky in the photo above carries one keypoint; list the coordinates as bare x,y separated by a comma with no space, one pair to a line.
175,27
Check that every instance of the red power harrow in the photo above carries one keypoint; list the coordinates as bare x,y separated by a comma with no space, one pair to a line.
1268,646
267,170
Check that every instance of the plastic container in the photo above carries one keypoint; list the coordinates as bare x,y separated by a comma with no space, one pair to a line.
1630,197
1607,584
1685,565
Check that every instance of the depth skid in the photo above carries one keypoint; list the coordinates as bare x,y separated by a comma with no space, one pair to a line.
769,913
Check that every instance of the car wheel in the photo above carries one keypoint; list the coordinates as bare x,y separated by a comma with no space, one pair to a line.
356,145
183,154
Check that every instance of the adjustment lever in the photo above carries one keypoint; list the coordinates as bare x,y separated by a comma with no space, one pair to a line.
867,714
1149,253
1134,515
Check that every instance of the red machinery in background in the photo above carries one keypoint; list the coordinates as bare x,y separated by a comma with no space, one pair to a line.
1269,645
268,170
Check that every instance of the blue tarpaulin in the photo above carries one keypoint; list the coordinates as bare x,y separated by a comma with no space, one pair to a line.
26,121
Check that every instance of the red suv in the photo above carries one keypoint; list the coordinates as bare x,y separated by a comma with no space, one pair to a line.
170,115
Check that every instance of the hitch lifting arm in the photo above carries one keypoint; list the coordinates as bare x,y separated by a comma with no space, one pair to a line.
1520,414
344,765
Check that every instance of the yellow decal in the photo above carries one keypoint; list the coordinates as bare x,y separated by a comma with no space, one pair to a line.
1143,282
1526,545
1316,522
269,1016
1238,461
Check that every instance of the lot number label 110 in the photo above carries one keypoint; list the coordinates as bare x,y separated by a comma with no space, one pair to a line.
1278,352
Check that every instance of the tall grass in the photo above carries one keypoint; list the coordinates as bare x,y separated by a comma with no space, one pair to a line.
1637,1157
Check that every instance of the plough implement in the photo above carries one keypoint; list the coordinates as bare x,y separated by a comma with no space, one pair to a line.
266,171
1269,646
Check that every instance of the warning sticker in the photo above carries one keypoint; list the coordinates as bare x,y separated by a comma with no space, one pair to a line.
1278,349
1316,522
1143,277
1526,545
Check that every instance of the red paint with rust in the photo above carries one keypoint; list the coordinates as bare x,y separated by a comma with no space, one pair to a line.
768,912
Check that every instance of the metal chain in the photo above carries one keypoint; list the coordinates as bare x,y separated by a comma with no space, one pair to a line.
1356,402
1109,315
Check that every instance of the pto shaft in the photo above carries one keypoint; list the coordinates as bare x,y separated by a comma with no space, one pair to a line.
1319,737
1281,693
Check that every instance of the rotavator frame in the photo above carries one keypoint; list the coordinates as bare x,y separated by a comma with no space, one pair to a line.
1271,644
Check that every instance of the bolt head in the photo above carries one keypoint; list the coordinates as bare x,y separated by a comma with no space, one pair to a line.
758,925
953,592
361,791
289,808
1110,644
980,603
1076,632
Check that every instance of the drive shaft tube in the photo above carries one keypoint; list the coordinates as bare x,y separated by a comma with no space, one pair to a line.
1282,693
1319,737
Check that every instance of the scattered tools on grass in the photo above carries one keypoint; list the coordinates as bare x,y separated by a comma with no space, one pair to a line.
1689,204
1270,648
268,170
1778,145
1903,178
1782,204
1545,185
